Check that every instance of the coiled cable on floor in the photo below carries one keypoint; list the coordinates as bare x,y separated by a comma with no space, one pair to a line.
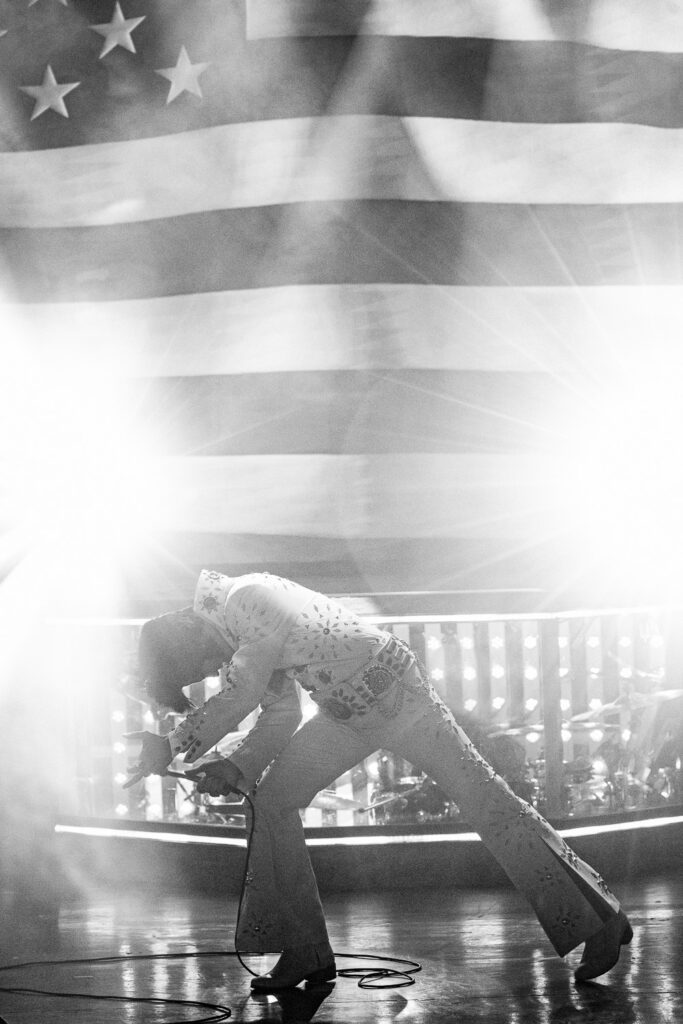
368,977
218,1012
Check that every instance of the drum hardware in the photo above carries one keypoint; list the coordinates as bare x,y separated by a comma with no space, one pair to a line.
420,799
329,800
390,798
629,702
573,725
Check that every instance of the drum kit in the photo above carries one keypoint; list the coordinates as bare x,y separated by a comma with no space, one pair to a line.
619,774
628,770
636,764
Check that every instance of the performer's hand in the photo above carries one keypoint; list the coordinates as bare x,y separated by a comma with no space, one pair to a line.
218,778
155,756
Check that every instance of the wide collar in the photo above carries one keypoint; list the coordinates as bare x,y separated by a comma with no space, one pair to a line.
211,595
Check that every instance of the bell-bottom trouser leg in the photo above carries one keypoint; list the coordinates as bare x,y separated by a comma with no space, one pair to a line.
281,905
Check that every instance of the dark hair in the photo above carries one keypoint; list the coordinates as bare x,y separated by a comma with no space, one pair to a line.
172,650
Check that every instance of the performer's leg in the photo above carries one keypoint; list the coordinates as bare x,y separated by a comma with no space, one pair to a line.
281,907
571,900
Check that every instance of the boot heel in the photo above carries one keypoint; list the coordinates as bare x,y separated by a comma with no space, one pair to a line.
328,973
627,936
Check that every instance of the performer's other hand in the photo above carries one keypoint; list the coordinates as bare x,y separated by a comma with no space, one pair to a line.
218,778
155,756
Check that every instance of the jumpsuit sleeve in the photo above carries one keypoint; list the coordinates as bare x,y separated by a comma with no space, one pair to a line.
264,625
279,719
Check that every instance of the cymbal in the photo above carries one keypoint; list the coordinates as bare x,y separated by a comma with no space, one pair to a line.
574,726
629,702
515,730
390,798
329,800
585,726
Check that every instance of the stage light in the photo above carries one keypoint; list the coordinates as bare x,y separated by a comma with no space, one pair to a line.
497,703
470,704
82,476
498,672
617,487
566,735
565,704
533,737
597,735
530,672
470,673
531,704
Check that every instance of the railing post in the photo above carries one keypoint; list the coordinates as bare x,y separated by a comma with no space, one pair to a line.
452,665
552,717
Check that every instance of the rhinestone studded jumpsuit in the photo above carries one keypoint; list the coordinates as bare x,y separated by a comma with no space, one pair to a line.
372,694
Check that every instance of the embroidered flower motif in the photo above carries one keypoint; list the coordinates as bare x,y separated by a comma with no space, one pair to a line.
378,680
336,709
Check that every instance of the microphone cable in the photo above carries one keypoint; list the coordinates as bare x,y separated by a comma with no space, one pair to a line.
368,977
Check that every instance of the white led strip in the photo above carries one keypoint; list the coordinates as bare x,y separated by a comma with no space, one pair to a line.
457,837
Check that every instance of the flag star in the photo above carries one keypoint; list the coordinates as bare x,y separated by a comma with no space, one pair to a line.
50,95
184,77
118,31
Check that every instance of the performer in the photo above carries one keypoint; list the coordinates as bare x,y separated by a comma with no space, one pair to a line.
263,634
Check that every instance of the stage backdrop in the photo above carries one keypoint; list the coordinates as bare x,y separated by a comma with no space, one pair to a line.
388,293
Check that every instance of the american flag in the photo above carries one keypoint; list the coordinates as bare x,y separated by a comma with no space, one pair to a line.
373,269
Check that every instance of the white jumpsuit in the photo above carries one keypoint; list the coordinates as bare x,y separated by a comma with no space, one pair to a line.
372,693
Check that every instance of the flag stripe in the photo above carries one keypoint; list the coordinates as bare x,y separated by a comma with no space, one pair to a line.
300,328
364,411
420,495
624,24
271,163
477,575
469,79
365,242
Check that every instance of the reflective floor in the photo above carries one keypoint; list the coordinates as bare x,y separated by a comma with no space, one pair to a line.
482,954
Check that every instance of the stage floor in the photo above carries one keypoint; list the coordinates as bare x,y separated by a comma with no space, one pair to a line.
482,953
